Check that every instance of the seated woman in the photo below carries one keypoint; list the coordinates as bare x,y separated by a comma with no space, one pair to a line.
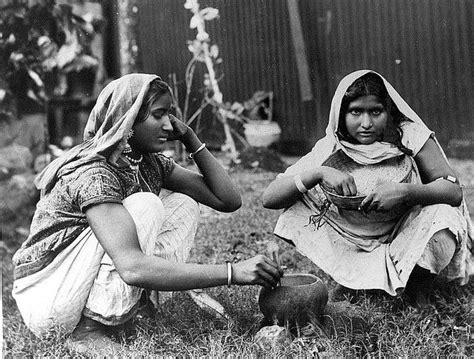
415,229
101,233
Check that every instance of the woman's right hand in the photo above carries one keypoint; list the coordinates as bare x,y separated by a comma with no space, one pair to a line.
257,270
342,183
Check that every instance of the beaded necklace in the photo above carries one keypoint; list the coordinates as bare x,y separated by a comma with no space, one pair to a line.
133,161
134,164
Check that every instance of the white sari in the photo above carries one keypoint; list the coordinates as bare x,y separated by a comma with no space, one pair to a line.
377,254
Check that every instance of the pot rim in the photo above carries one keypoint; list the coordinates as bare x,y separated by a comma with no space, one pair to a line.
315,278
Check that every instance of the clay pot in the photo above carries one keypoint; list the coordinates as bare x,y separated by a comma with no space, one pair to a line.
299,299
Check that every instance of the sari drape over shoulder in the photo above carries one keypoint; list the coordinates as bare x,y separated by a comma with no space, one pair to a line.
62,272
90,173
105,134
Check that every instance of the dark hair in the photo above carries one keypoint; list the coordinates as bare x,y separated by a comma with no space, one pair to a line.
372,84
157,89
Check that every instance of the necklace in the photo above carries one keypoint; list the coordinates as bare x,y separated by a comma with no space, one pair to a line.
134,164
133,160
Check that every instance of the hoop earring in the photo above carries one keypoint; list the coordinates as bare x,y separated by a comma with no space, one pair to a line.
127,149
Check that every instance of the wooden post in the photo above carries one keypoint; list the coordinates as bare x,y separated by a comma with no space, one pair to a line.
300,50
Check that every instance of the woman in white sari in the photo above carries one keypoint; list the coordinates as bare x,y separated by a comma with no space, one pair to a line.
401,233
116,217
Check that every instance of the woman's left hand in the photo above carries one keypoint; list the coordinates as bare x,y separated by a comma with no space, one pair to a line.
180,129
385,198
213,186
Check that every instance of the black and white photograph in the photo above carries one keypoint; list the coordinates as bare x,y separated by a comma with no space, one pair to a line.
237,178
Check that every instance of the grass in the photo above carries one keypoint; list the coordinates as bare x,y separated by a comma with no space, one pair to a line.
180,328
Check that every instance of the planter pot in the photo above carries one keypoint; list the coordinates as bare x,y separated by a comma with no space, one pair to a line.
262,133
299,299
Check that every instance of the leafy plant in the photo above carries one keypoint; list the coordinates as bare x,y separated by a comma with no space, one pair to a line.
43,43
208,54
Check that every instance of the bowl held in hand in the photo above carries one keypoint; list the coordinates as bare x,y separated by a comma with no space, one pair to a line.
366,177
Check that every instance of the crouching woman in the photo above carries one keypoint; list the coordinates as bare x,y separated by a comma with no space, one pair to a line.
104,230
412,225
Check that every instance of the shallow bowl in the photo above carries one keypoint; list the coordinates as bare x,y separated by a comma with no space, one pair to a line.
344,202
366,177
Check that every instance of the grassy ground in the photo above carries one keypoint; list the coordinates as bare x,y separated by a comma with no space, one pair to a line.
181,328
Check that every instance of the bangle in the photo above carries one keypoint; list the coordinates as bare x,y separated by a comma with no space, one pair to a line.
191,155
299,184
229,274
449,178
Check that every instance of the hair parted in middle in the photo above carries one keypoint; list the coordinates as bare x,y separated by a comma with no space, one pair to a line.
157,89
372,84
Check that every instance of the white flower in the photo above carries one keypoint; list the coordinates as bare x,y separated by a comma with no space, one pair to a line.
209,13
214,51
194,22
194,46
202,36
190,4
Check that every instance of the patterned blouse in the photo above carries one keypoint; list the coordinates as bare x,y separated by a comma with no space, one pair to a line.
59,217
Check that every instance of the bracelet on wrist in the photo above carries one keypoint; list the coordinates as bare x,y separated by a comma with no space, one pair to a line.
299,184
449,178
193,154
229,274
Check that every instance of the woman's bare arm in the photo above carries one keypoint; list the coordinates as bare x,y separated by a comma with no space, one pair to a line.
213,186
432,166
116,232
282,192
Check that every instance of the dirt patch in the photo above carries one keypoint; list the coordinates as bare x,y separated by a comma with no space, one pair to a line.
261,157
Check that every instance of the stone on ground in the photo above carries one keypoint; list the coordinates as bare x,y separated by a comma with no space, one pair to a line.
273,336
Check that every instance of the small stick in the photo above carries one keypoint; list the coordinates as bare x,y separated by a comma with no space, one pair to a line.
273,249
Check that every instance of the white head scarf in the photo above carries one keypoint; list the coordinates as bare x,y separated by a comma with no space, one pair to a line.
362,154
106,131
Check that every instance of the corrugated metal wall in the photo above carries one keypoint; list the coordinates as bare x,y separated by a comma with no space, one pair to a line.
423,47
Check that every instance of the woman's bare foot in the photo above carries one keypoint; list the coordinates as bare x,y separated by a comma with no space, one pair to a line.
419,289
90,338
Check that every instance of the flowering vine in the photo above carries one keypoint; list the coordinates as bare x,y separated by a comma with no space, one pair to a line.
208,54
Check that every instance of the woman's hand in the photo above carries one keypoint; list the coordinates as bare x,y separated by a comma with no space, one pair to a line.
180,129
385,198
257,270
213,186
339,181
282,192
